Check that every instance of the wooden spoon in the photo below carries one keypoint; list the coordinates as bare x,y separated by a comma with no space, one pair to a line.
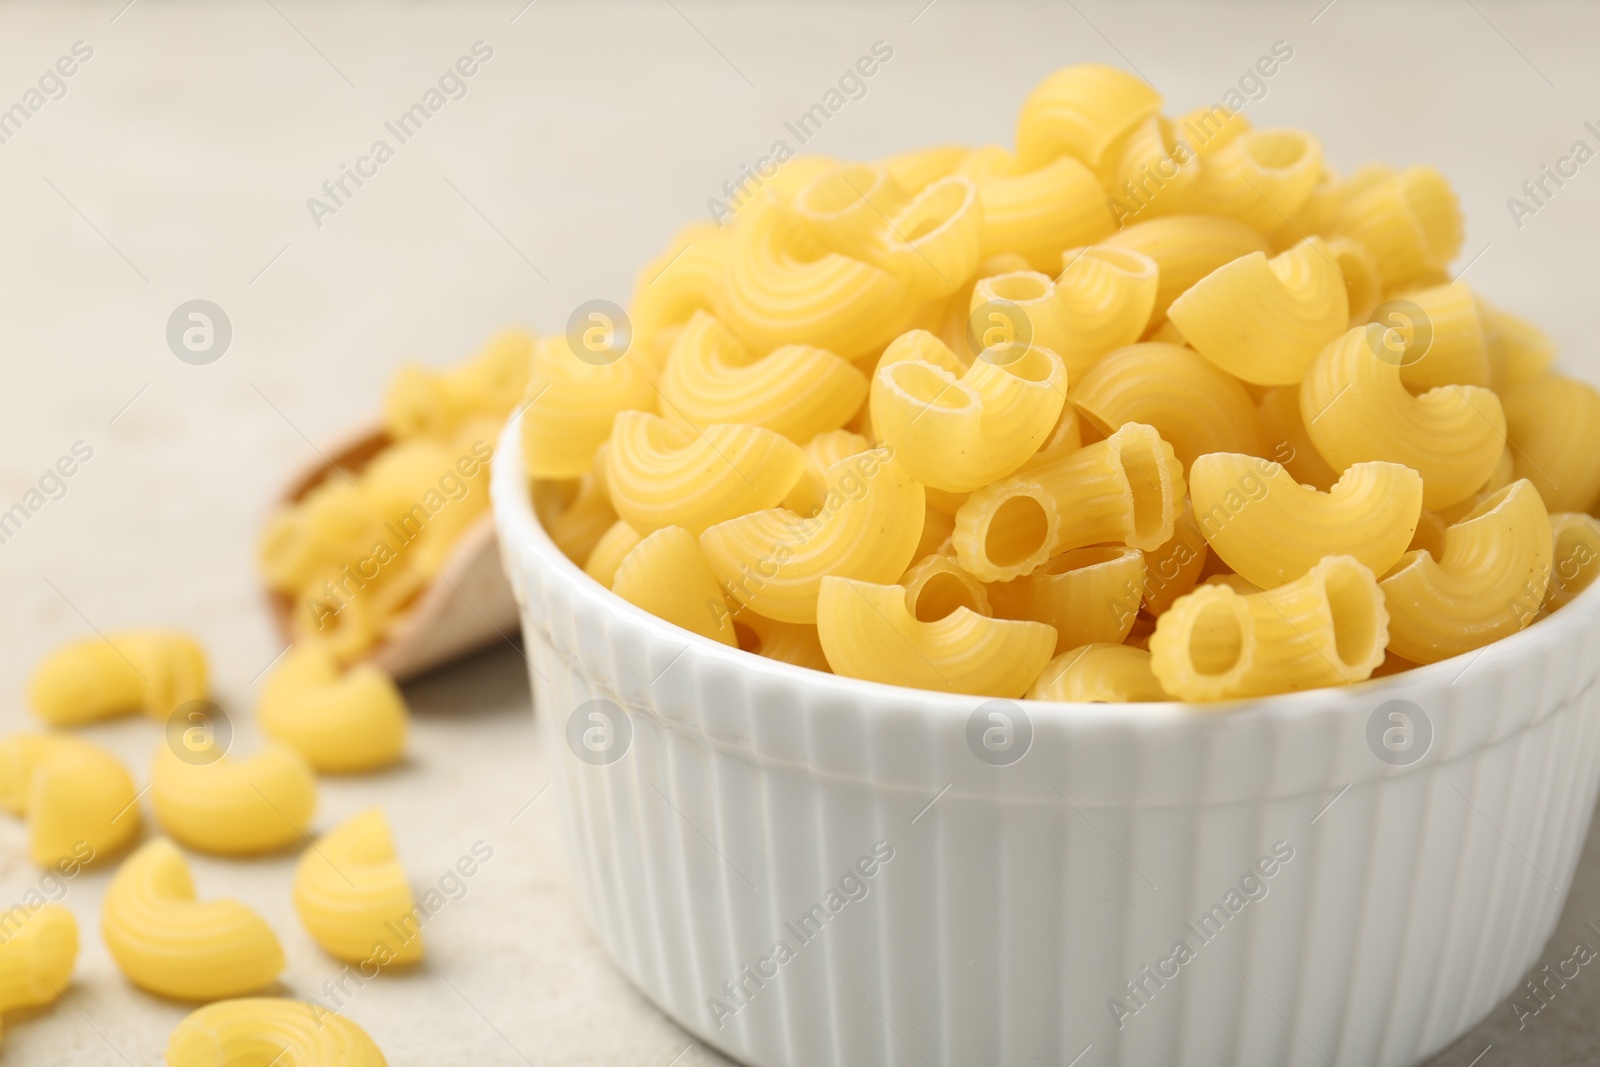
466,606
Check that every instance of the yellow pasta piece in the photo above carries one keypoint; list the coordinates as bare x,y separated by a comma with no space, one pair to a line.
153,671
1176,566
1576,559
846,207
660,474
1089,595
1128,489
937,526
1259,178
1435,336
958,428
936,585
1194,406
37,954
1271,529
1264,320
1108,294
773,562
1082,111
1356,409
270,1032
1209,129
77,797
1553,425
684,279
1363,283
795,390
1287,439
341,722
610,551
1488,584
1185,249
822,452
570,404
350,892
935,241
233,807
921,167
867,631
666,574
577,526
955,324
1518,350
168,942
1409,221
783,286
1327,627
1099,674
786,642
1151,171
1036,211
422,402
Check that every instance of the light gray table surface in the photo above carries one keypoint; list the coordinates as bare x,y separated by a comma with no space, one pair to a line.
178,164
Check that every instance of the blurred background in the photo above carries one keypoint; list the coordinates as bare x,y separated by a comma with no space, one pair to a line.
179,162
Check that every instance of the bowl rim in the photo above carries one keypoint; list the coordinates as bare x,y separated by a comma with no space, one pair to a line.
519,525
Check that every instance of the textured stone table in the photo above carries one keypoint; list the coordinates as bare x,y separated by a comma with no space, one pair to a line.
176,163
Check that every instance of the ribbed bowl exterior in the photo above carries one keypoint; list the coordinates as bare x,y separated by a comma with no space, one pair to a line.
1032,913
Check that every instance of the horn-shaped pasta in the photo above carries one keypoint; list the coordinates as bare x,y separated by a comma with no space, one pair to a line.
782,286
867,631
270,1032
1175,568
1327,627
153,671
1081,111
684,279
666,574
1185,249
773,561
786,642
822,452
1209,129
1553,424
342,722
1089,595
1136,175
77,797
660,474
1258,178
1107,295
1126,489
936,585
609,552
1576,560
845,207
1036,211
1264,320
350,892
1363,284
920,168
1194,406
1410,221
1489,583
168,942
1518,350
37,954
577,525
1357,409
1437,339
1271,529
1099,674
957,429
572,402
936,240
1288,441
234,807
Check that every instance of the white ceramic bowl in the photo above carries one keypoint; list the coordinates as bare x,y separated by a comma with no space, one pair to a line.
1030,913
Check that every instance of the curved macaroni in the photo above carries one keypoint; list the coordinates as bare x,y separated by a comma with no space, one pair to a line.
822,452
1194,406
1288,441
168,942
936,585
342,722
1327,627
1576,560
609,552
1081,112
1099,674
846,206
1264,320
684,279
422,402
1489,583
153,671
958,428
1185,249
786,642
37,955
270,1032
773,562
867,631
666,574
77,797
1126,489
660,474
935,241
233,807
1259,177
572,402
1036,211
351,894
1089,595
1553,424
1356,409
577,524
1270,529
1518,350
1363,283
1175,568
795,390
920,168
1409,221
1435,336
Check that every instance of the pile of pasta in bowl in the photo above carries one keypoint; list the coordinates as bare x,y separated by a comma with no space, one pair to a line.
1146,409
